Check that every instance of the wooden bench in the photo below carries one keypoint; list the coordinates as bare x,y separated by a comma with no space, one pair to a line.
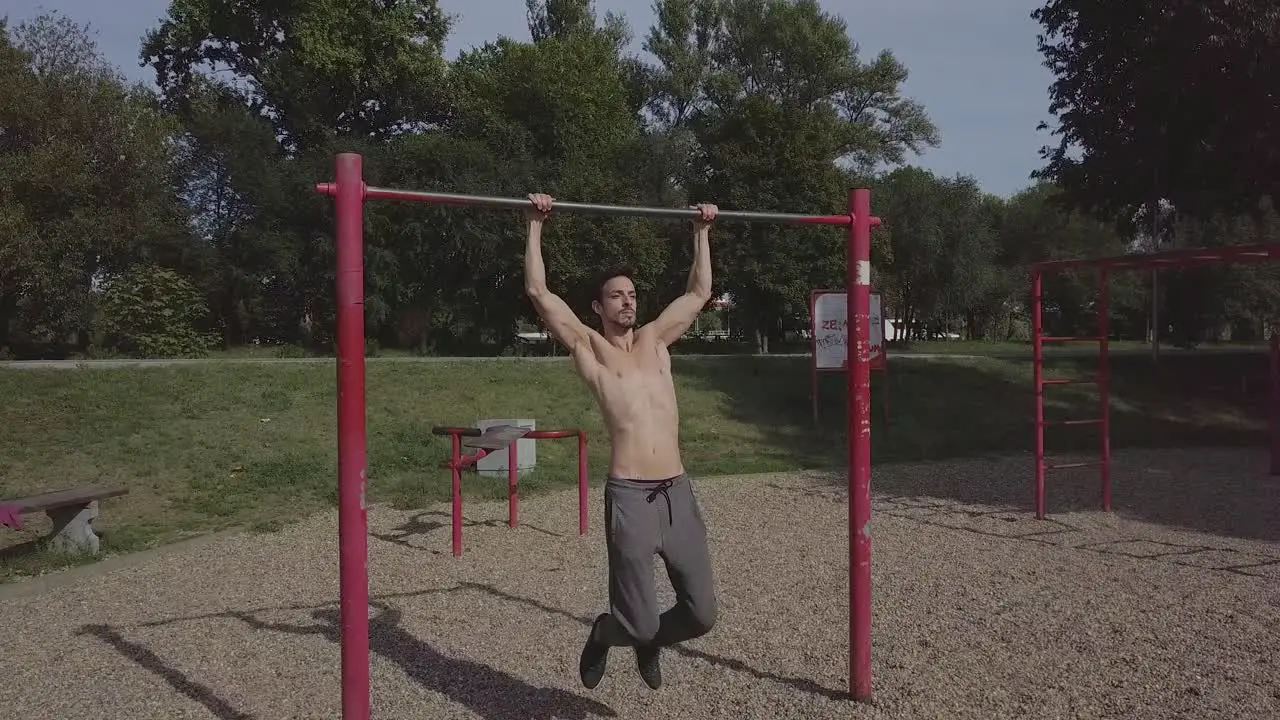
72,512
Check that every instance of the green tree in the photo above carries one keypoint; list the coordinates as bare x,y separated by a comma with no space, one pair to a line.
316,70
1157,100
88,184
150,311
942,248
763,102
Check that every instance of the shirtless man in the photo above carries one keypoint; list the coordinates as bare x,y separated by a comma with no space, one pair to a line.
650,506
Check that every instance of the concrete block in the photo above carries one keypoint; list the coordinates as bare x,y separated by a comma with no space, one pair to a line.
495,464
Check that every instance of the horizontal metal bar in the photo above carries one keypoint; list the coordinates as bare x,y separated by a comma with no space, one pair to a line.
1050,338
1258,252
438,198
1065,381
1070,466
1090,421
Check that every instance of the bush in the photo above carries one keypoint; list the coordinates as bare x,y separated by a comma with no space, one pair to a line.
150,311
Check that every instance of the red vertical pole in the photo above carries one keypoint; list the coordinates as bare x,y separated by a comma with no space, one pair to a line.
513,479
1275,403
582,483
457,493
1104,380
813,360
353,521
858,354
1037,371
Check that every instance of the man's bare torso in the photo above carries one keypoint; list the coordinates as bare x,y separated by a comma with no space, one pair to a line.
638,400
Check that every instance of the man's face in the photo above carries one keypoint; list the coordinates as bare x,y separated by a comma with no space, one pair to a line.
617,303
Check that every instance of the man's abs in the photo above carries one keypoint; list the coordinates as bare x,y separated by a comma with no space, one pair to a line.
644,426
651,453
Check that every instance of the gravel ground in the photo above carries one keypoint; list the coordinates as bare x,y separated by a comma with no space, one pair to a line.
980,610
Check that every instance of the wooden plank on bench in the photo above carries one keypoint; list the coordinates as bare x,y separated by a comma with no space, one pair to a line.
64,498
72,511
497,437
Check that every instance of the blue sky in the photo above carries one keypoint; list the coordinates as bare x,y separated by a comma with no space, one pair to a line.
974,66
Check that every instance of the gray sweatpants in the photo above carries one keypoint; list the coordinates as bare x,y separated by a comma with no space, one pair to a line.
647,518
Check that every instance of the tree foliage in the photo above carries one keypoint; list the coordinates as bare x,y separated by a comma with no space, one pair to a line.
1164,100
158,220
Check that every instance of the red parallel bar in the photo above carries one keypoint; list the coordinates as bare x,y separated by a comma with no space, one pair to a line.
1051,338
1070,466
1065,381
1104,381
582,483
1090,421
858,311
458,462
1037,369
456,466
513,479
1275,404
353,521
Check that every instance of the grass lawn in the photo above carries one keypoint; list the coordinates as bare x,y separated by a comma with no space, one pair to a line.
205,447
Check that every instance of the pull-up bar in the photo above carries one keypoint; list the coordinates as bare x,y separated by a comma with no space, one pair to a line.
350,192
439,198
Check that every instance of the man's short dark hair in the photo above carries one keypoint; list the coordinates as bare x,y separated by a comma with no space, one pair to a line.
625,271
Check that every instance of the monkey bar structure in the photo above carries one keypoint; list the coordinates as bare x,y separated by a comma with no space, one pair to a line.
350,193
1236,254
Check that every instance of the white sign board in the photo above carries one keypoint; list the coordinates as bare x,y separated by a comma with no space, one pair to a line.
831,331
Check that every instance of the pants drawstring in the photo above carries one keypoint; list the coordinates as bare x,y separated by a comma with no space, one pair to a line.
662,489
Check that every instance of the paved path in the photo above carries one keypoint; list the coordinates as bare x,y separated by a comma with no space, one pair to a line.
128,362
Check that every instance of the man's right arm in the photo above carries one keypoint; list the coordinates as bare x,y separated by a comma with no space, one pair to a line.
555,312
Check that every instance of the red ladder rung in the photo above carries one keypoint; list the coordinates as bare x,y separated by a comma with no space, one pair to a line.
1054,338
1069,466
1065,381
1090,421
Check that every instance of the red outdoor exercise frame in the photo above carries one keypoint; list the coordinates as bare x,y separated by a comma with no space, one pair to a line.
458,462
350,193
1104,266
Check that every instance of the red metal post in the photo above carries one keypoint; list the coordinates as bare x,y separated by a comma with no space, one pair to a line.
1037,370
513,480
582,483
813,351
1275,403
353,521
1104,380
858,354
456,466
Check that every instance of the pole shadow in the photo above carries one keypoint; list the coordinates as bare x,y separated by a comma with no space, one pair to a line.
490,693
145,658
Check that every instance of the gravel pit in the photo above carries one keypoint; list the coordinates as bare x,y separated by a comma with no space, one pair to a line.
980,610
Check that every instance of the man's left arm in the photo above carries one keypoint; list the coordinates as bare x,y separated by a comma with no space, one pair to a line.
676,319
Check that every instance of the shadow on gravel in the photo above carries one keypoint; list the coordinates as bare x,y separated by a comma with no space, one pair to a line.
802,684
148,660
422,525
437,671
490,693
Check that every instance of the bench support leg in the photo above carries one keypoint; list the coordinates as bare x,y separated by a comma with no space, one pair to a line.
73,528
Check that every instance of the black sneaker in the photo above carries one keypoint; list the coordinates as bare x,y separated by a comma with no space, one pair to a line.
650,668
595,655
